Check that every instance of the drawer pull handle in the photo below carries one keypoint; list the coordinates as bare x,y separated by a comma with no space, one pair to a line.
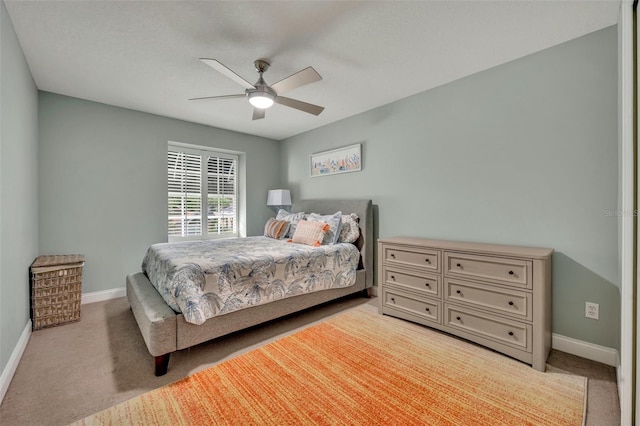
458,291
393,256
393,277
458,265
427,285
510,272
427,260
510,303
458,318
426,309
393,299
511,333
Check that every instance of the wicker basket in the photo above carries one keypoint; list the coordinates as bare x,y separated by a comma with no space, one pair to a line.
56,290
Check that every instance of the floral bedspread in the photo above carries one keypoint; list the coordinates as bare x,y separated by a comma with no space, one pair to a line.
203,279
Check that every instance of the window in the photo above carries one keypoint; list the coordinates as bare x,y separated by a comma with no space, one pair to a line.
202,193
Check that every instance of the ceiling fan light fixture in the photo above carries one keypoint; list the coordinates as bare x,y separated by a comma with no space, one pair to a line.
261,100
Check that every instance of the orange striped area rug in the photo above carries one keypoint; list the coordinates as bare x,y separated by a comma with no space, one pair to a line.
361,368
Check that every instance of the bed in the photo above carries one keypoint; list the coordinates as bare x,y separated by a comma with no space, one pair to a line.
166,330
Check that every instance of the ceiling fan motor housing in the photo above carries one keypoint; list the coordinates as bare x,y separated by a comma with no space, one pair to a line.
262,96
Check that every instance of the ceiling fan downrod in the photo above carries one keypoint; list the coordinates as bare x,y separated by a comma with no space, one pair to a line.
262,96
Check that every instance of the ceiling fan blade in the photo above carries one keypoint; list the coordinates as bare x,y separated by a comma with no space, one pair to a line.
227,72
258,113
302,106
306,76
240,95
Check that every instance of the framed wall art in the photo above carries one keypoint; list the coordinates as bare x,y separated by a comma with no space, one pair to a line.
340,160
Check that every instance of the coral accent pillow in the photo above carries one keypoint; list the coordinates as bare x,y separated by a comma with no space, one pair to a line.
310,233
276,228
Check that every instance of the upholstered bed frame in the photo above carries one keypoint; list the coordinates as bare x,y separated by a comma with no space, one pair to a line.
165,331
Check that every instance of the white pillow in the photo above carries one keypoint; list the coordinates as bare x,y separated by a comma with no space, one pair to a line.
333,220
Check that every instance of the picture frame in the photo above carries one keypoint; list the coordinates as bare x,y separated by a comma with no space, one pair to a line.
340,160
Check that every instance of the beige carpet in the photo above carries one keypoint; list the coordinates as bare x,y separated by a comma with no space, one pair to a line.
361,368
75,370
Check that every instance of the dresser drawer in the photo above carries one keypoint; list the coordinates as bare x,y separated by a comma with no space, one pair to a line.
507,332
423,308
428,284
512,272
428,260
500,300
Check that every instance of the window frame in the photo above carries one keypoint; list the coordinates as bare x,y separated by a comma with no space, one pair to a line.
205,152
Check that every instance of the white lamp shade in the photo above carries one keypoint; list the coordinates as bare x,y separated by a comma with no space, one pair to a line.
279,197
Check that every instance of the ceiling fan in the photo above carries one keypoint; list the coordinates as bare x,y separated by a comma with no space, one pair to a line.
261,95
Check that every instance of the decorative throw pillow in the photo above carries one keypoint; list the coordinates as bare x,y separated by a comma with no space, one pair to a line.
276,228
310,233
349,231
333,220
292,218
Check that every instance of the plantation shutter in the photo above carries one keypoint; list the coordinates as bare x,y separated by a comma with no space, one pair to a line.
222,194
185,194
202,194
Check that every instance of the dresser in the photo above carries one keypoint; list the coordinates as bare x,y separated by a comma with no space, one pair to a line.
498,296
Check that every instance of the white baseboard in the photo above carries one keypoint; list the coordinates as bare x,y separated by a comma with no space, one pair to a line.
14,360
99,296
586,350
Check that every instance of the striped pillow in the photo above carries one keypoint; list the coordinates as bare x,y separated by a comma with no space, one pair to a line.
310,233
276,228
292,218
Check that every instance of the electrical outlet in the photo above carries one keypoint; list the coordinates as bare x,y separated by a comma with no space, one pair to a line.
592,310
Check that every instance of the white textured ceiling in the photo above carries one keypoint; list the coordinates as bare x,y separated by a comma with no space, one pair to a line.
143,55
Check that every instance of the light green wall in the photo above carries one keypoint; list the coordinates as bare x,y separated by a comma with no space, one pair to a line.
18,187
524,153
103,182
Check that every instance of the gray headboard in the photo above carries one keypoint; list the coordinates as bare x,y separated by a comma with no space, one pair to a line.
364,210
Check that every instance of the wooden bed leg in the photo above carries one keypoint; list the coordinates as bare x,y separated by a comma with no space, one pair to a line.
367,292
162,363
